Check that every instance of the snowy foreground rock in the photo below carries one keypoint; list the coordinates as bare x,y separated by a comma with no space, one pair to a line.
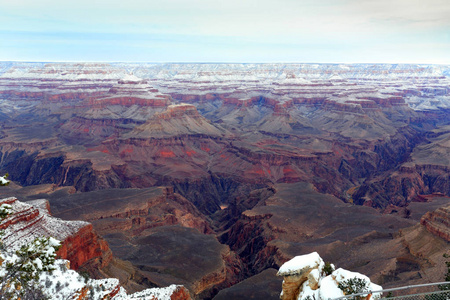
305,278
27,221
64,283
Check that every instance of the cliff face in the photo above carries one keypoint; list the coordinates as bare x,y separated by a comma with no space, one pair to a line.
424,173
79,242
438,222
29,168
85,247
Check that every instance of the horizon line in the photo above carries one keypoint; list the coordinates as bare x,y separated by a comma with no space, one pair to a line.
224,63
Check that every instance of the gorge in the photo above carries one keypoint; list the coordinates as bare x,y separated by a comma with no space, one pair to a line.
214,175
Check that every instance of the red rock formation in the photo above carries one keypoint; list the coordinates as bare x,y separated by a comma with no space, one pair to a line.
66,97
129,91
85,247
134,216
240,102
12,94
178,111
342,107
438,222
181,293
162,101
79,243
26,214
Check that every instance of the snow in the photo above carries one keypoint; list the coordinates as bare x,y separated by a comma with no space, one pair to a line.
179,105
343,275
315,274
3,180
268,80
19,233
157,293
327,286
5,208
300,263
54,242
38,263
132,78
64,283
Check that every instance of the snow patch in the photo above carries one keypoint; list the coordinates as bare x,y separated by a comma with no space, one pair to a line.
300,263
131,78
318,285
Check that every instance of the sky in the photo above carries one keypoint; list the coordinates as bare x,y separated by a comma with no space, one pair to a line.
304,31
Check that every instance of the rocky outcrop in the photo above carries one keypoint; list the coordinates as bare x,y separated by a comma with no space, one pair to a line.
79,242
85,247
130,90
162,101
297,271
181,293
438,222
305,277
181,119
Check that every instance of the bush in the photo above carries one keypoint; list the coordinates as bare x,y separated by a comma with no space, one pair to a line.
23,268
3,180
5,210
327,269
354,286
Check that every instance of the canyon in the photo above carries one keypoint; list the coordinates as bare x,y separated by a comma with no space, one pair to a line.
214,175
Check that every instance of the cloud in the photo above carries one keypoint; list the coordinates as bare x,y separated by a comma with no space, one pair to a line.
430,13
280,28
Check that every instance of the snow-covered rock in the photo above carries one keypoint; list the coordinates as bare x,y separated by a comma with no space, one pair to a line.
300,264
305,278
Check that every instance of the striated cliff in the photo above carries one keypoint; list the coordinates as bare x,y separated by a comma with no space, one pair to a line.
85,247
438,222
80,244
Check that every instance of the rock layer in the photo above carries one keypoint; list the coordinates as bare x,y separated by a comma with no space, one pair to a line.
79,242
438,222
